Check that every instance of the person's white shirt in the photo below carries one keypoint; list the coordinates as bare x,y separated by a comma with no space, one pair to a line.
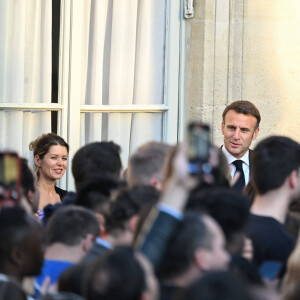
244,159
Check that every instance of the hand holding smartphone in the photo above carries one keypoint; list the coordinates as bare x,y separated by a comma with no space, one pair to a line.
198,141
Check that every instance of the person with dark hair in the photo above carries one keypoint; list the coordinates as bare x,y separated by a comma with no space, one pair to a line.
30,192
95,158
240,126
95,194
216,286
122,218
70,233
146,165
229,208
108,279
50,153
276,181
197,247
21,251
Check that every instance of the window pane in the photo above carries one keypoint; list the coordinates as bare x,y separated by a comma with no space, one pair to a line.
129,130
19,128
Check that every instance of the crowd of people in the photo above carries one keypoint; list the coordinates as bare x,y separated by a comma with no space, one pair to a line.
156,230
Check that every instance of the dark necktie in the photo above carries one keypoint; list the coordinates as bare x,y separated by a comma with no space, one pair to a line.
239,185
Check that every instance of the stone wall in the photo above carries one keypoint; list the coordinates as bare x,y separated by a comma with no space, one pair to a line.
242,49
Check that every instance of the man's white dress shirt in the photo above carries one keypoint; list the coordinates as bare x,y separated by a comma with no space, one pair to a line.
231,159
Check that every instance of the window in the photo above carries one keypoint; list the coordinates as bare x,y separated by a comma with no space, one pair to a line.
118,76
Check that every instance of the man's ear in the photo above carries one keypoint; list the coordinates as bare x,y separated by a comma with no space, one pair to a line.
132,223
255,133
88,242
222,128
202,259
293,179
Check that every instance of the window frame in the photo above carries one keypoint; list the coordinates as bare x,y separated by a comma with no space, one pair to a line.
68,122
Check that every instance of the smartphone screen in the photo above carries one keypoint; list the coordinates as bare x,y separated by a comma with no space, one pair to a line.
270,269
10,176
198,146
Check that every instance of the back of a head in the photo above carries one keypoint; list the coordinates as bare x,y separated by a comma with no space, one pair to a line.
129,203
95,158
20,231
274,159
13,230
95,193
190,235
69,225
217,285
228,207
116,275
146,162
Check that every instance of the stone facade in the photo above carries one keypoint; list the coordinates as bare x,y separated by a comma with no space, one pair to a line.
249,50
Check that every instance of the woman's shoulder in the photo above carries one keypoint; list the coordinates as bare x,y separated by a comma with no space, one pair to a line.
60,192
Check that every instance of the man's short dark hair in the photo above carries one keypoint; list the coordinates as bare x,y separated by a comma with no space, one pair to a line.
95,193
95,158
274,158
18,230
228,207
243,107
191,234
129,203
69,225
13,230
116,275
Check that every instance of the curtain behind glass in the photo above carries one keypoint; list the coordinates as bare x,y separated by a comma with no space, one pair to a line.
123,59
25,70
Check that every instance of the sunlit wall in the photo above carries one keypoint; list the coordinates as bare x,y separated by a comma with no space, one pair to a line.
246,50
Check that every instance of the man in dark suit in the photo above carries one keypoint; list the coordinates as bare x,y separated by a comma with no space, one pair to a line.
240,126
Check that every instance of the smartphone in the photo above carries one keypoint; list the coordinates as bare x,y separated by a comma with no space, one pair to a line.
198,141
10,178
270,269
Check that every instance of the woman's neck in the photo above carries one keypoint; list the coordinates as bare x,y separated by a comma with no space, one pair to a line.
46,185
48,194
